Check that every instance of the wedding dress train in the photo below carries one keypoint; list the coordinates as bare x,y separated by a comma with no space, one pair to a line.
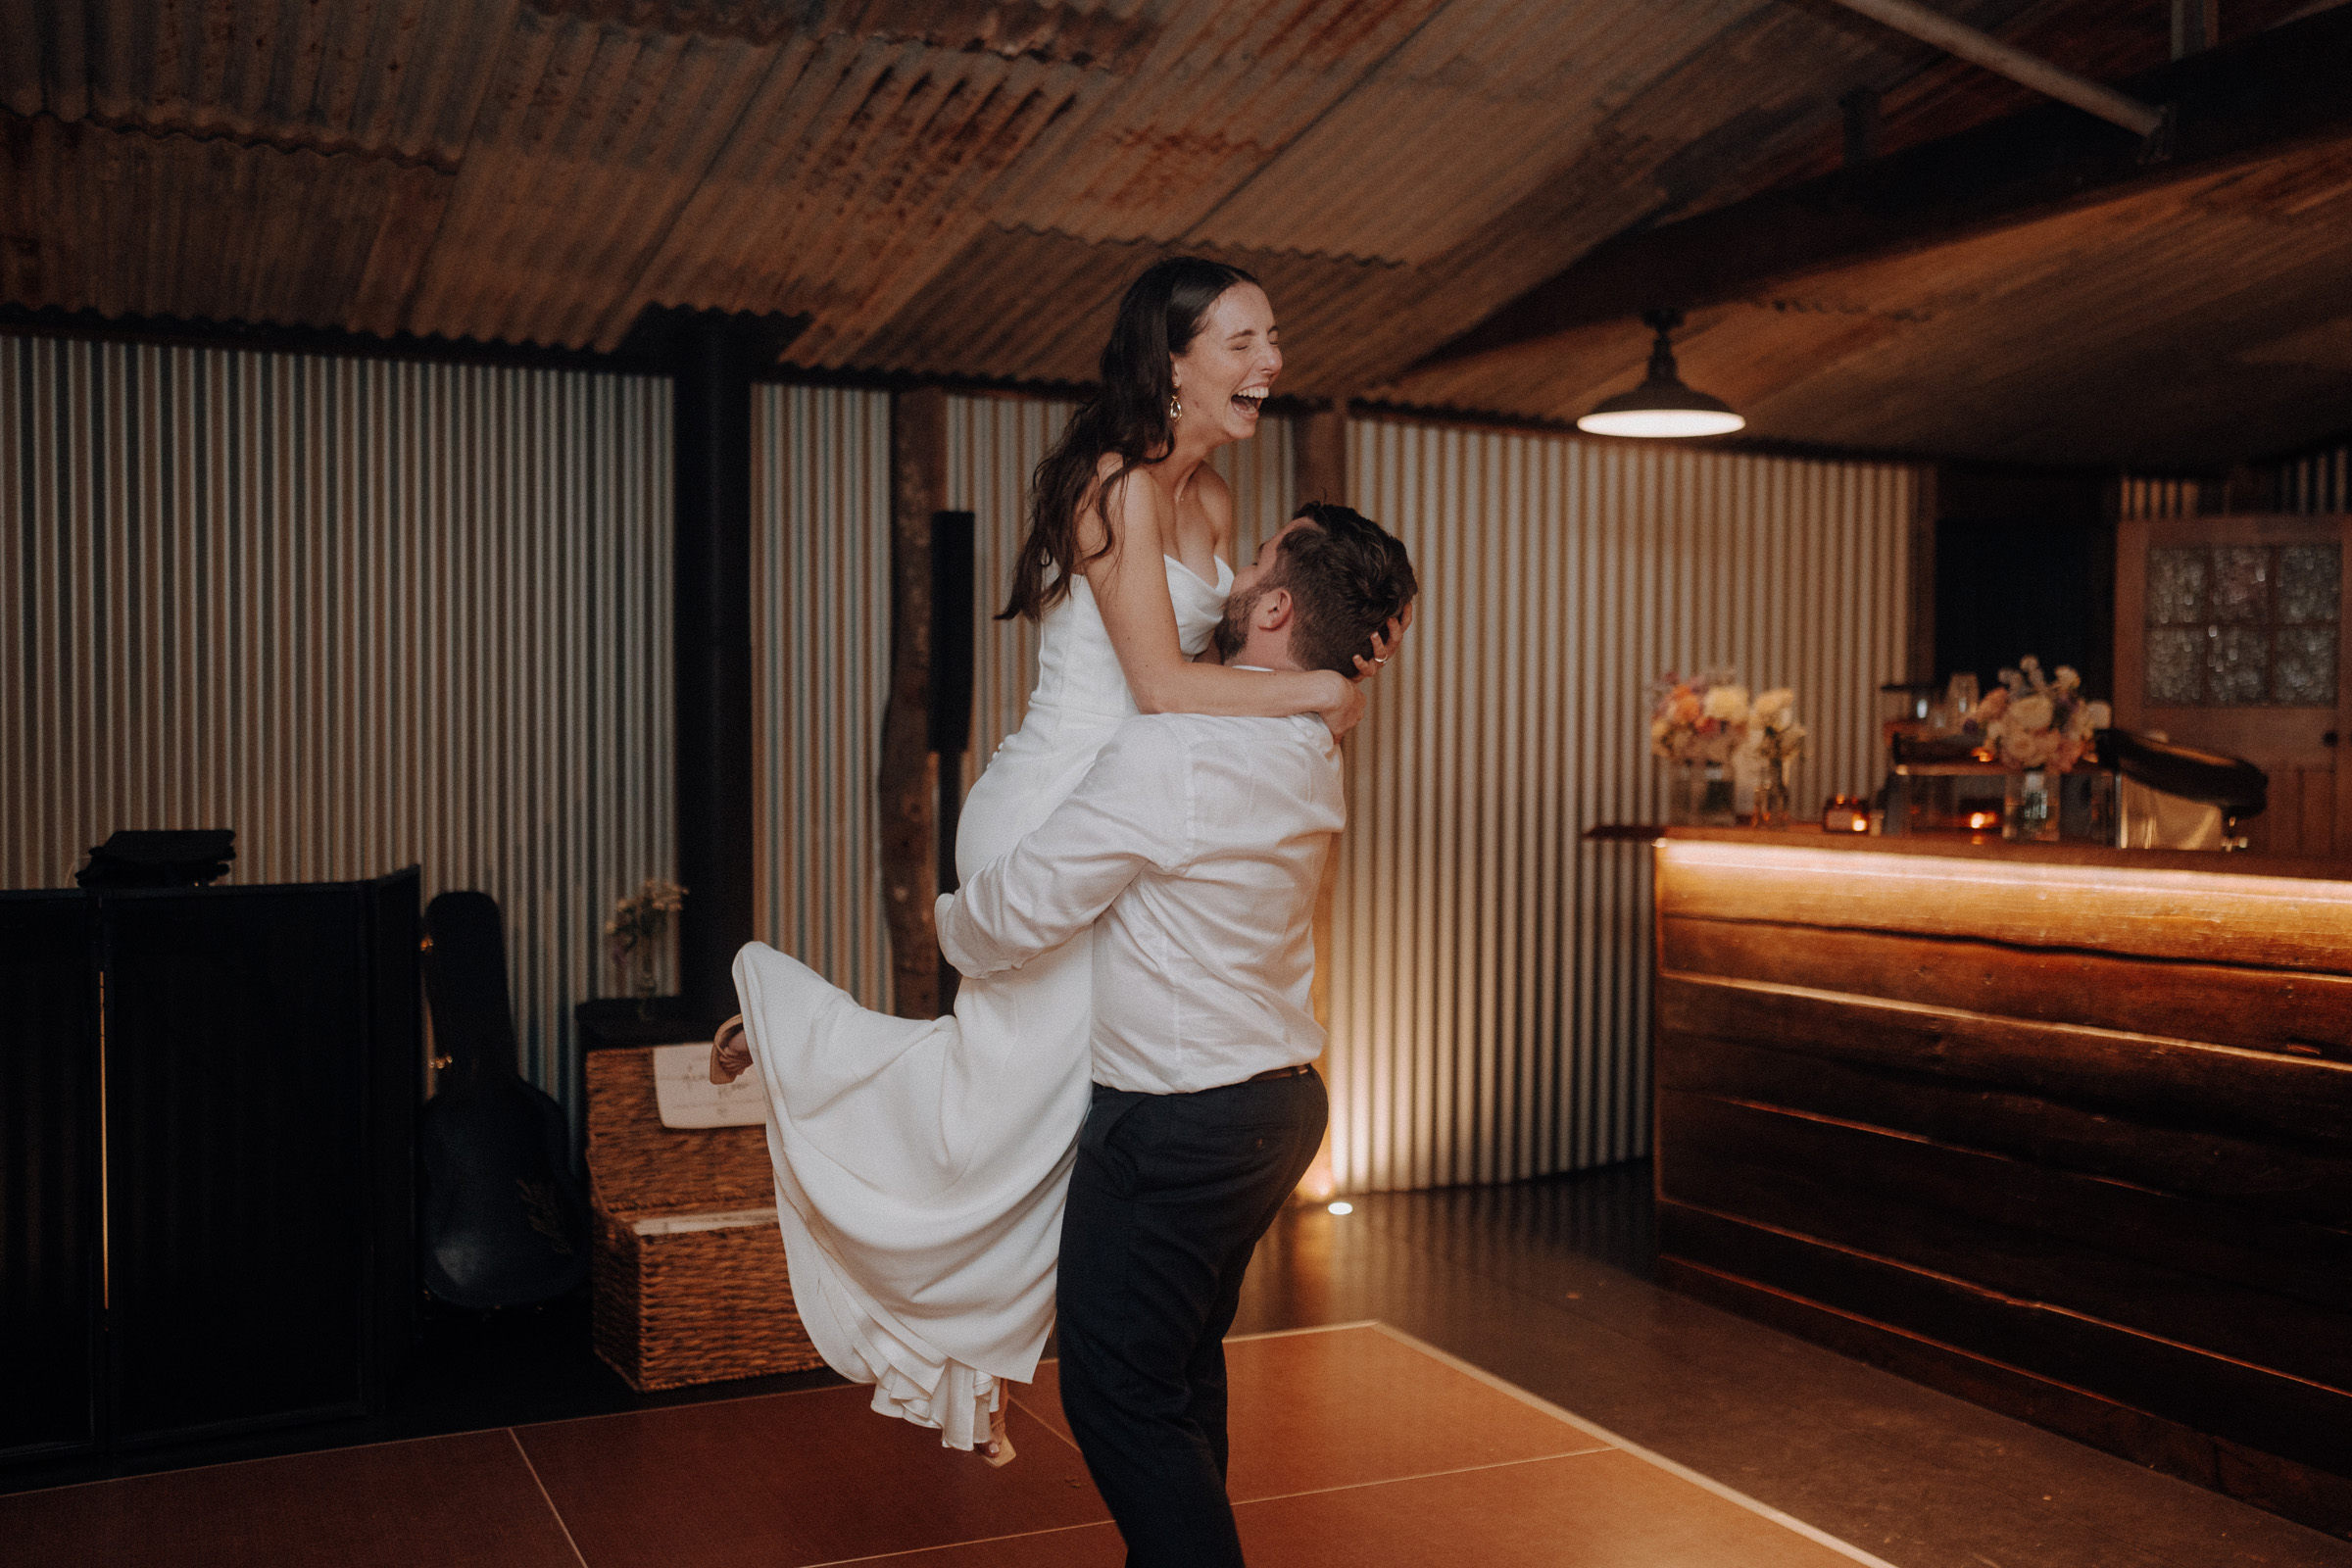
921,1163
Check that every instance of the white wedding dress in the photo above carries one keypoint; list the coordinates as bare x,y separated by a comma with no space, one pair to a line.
921,1164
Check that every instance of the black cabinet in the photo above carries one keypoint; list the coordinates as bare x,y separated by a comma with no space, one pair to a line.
206,1104
50,1179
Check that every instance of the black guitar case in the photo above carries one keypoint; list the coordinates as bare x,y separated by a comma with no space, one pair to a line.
503,1220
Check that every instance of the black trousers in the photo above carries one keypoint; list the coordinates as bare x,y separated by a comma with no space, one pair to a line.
1168,1199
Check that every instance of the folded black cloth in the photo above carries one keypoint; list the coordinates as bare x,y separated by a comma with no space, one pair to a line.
176,858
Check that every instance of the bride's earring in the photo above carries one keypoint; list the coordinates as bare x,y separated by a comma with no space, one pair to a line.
1175,407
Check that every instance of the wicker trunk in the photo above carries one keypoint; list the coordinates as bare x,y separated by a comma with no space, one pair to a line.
690,1285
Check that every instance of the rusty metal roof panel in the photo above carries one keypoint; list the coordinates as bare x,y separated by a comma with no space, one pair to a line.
1330,210
1037,306
591,141
1479,107
834,160
862,167
1223,88
128,222
401,78
964,187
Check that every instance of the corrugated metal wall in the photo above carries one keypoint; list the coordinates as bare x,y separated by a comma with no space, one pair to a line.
820,613
1491,987
2316,483
2160,498
366,614
994,444
371,613
2321,482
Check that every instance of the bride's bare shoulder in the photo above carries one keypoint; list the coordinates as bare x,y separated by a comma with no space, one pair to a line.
1134,506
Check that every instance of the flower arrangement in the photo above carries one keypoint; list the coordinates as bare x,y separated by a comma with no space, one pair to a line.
637,926
1773,733
1700,719
1710,728
2032,721
1712,719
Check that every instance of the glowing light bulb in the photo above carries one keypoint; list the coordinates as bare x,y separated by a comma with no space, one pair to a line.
1342,1209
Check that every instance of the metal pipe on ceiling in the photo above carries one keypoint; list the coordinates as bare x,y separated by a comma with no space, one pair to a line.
1983,49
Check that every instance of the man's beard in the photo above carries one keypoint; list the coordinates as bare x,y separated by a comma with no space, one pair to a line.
1233,628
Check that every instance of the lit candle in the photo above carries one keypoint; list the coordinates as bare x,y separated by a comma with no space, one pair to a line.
1846,813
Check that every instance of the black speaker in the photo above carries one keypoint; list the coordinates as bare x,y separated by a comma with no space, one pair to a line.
953,607
952,611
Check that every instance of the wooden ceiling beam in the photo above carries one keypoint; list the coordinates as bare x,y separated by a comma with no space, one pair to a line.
2241,104
1982,49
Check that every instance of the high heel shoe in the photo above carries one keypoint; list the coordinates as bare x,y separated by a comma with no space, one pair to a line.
998,1453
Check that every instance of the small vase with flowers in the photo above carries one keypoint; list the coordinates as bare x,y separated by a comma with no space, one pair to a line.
2038,726
1703,728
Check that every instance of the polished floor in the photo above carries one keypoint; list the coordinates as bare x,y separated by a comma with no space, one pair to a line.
1352,1447
520,1450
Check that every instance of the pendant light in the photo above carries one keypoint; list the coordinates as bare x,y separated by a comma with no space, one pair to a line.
1662,405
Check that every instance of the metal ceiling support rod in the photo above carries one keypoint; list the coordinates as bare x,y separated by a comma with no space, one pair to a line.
2196,26
1983,49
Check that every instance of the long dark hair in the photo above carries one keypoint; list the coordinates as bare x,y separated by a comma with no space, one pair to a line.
1158,319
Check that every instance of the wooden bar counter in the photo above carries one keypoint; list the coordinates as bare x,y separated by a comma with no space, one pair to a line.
2062,1130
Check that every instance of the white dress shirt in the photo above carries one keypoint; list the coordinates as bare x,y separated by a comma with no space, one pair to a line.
1194,846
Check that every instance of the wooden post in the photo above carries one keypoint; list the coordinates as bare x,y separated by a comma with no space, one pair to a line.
1319,473
1319,453
908,777
712,649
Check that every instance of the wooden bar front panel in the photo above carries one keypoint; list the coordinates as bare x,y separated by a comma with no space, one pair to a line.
2068,1133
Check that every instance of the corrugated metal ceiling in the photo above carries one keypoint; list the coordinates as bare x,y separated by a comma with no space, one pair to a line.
2181,327
962,187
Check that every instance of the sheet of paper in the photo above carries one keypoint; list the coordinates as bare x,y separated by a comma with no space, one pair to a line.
689,1099
714,1219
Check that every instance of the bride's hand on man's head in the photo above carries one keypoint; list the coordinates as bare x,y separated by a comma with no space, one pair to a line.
1384,645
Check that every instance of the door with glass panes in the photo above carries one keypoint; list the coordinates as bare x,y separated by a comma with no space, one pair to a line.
2230,637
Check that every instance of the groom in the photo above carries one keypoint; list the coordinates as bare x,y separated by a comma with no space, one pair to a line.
1194,847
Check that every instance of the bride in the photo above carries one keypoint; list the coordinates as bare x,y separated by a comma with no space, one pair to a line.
921,1164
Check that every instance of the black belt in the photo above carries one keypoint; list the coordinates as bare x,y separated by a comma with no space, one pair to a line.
1300,1071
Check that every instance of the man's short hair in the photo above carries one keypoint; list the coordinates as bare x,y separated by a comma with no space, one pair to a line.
1347,579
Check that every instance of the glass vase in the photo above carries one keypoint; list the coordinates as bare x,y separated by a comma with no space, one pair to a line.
1699,795
2030,808
1772,793
642,981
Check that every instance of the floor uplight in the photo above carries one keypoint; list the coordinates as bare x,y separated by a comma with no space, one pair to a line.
1342,1209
